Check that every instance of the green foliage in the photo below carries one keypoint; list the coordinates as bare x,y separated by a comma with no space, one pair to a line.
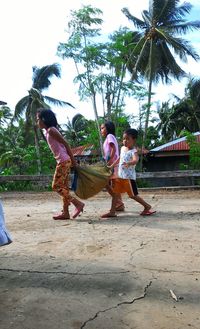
5,114
92,138
101,68
30,103
35,99
186,111
194,152
18,153
22,161
142,183
152,138
23,186
47,159
153,57
183,166
76,131
122,122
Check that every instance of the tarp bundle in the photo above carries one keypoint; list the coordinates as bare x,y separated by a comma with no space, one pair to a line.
4,234
90,180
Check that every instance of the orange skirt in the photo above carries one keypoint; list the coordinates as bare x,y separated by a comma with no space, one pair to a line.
128,186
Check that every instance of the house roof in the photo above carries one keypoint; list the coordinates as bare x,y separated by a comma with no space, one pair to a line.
84,150
179,144
87,150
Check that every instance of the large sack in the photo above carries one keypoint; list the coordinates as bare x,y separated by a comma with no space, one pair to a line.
90,180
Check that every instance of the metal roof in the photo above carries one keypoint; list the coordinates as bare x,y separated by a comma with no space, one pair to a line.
179,144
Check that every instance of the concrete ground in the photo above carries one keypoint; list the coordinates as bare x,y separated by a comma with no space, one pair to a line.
86,273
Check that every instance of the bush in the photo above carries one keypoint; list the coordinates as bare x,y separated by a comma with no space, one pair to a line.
24,186
194,152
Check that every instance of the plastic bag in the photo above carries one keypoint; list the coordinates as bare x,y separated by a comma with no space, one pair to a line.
4,234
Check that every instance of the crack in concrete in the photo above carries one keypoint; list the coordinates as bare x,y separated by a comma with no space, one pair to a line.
142,245
62,272
171,271
134,224
118,304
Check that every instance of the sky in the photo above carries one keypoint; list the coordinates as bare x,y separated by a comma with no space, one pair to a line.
31,31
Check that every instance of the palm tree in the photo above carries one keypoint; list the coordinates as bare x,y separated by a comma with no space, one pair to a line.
189,106
30,103
183,114
76,130
168,127
154,56
2,103
5,112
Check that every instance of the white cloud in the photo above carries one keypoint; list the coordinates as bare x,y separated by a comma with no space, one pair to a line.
30,33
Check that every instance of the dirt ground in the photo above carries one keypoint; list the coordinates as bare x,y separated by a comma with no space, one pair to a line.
92,274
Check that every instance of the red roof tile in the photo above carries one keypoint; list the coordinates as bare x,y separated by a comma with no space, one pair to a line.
84,150
176,145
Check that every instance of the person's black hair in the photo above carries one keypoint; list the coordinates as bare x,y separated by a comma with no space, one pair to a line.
48,117
110,127
132,132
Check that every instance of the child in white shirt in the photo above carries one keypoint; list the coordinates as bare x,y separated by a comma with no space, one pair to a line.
127,174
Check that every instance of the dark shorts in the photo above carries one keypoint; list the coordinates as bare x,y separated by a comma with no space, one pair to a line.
134,187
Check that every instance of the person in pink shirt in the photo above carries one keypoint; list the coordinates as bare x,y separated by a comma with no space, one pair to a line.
61,150
111,154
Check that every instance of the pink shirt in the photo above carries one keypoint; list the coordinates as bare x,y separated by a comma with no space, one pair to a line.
111,139
58,149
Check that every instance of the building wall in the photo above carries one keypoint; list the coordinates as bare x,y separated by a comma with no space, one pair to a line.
170,163
153,163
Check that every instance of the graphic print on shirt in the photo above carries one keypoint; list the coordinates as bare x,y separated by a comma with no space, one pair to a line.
127,156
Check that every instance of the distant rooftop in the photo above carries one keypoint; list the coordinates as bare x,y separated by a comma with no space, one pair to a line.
84,150
89,150
179,144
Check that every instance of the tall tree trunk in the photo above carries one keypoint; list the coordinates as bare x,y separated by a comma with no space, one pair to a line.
148,110
108,100
198,120
97,123
37,149
120,85
140,129
148,104
92,90
36,137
